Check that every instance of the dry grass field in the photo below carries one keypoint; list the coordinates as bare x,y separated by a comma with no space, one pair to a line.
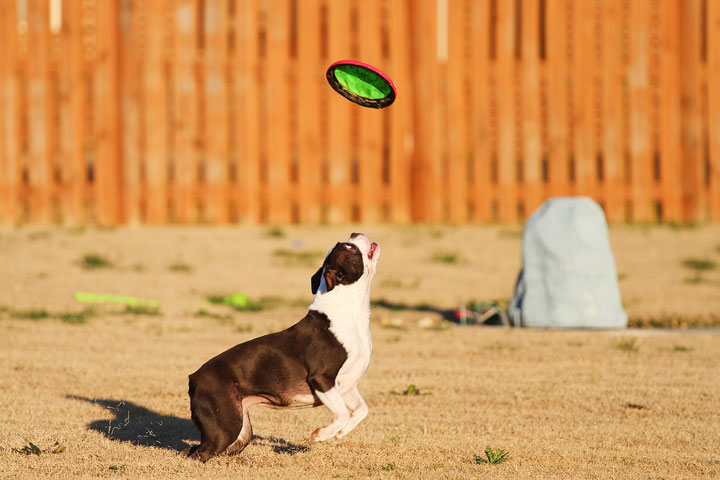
100,391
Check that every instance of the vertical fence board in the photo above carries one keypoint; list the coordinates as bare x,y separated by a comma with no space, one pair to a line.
557,101
583,78
156,121
337,199
310,82
640,135
456,124
248,134
612,111
480,128
131,83
530,115
108,158
401,138
185,110
505,71
693,189
9,114
370,147
39,111
278,121
670,124
217,142
713,82
426,159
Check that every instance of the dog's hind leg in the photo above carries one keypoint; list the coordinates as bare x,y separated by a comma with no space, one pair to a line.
244,436
359,410
219,417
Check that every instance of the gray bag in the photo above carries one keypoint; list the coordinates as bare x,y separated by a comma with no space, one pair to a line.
568,279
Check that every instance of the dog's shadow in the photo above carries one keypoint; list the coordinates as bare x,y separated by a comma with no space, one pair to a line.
143,427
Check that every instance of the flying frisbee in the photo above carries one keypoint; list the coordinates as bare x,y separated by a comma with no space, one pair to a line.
361,83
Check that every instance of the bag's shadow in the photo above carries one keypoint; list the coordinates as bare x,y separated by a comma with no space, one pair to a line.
143,427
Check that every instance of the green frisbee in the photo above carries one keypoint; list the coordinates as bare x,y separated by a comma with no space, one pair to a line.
361,83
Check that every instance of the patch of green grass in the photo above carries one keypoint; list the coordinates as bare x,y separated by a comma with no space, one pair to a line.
32,449
76,318
628,345
702,264
411,391
117,468
682,348
31,314
141,310
180,267
389,467
94,261
298,258
449,258
698,265
246,328
222,318
676,321
395,439
492,457
275,232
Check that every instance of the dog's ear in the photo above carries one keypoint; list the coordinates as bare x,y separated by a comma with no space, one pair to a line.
315,281
331,279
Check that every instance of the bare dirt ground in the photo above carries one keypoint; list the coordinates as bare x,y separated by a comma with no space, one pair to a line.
107,389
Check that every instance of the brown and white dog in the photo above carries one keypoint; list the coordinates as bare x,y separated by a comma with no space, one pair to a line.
317,361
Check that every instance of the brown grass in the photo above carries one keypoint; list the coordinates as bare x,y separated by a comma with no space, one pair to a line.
564,404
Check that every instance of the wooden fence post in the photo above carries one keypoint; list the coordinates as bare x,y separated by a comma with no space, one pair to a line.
337,197
155,127
217,142
277,163
9,114
530,113
107,95
310,81
426,186
694,197
40,115
713,83
480,69
185,110
248,98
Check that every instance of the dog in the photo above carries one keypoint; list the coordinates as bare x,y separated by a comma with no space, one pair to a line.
317,361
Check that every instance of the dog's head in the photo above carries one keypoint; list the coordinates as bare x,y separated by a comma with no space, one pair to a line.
347,263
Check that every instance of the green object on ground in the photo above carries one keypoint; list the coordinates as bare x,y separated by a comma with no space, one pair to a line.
88,297
236,300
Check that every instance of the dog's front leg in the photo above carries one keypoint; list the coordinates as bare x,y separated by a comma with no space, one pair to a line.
359,409
333,400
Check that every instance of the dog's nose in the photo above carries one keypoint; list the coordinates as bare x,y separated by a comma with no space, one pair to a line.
353,235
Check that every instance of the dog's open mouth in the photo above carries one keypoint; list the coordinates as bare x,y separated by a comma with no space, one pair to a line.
373,248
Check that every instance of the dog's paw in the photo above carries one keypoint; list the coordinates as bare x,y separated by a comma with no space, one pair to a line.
322,434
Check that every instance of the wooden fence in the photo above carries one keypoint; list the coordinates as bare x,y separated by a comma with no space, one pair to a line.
160,111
